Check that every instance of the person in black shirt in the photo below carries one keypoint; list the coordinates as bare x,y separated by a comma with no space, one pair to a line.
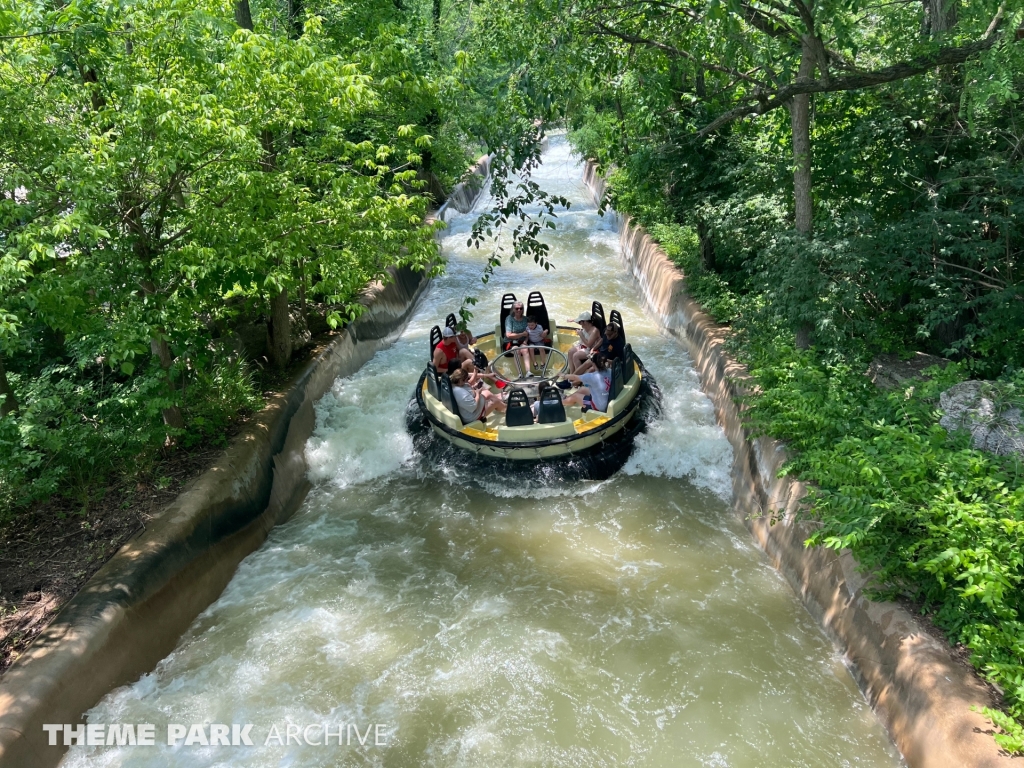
611,348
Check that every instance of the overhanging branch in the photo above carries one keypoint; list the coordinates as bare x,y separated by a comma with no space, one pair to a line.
766,102
601,28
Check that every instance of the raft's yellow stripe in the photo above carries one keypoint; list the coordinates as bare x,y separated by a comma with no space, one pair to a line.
483,434
582,425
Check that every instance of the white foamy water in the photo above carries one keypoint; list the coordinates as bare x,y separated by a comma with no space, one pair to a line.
519,622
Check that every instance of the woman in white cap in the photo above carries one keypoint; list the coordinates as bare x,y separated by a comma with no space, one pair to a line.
590,340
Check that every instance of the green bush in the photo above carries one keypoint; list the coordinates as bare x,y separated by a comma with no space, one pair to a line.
78,425
929,518
217,397
74,427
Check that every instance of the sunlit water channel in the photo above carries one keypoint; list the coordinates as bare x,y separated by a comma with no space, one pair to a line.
629,622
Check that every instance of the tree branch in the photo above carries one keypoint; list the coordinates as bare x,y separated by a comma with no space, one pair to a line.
601,28
943,57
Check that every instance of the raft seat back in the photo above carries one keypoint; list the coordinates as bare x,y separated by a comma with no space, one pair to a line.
432,381
597,316
617,380
551,409
447,398
506,309
518,413
435,339
451,321
535,306
615,317
628,364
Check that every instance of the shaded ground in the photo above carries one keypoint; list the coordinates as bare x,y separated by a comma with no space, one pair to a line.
53,548
56,546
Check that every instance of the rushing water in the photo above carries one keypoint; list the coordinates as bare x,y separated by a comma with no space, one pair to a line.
484,622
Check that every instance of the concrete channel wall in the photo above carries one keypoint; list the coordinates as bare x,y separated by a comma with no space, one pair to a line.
921,694
131,613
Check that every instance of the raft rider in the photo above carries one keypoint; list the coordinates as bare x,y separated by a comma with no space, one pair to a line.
447,355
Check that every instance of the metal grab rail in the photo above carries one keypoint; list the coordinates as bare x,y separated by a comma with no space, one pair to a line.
528,376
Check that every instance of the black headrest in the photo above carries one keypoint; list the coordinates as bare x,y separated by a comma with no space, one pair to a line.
451,321
518,413
551,410
435,339
628,369
432,381
444,388
617,380
535,306
615,317
597,316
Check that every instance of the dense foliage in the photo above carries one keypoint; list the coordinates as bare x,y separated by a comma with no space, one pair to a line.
930,518
177,174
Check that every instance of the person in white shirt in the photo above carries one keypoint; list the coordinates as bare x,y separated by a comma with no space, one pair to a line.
463,339
594,387
474,402
536,336
590,340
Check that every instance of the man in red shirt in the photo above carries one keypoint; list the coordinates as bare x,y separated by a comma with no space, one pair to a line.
447,355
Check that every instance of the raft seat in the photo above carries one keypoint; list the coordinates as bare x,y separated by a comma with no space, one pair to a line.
596,419
480,430
625,392
448,418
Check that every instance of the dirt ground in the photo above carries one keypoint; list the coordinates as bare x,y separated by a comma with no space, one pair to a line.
57,545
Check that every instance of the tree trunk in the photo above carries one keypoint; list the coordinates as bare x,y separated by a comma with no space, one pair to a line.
243,14
280,330
162,351
800,115
707,245
295,21
940,16
437,17
9,404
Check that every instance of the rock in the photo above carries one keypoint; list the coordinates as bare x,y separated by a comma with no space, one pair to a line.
890,372
976,406
316,321
301,337
251,339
